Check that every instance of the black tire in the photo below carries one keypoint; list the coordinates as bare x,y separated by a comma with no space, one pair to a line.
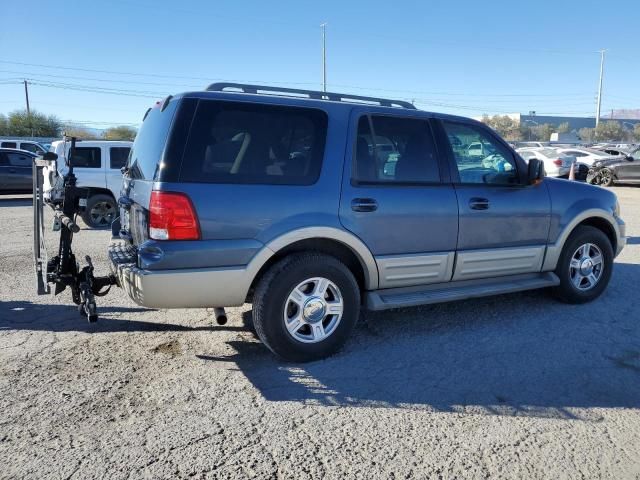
272,293
567,291
95,213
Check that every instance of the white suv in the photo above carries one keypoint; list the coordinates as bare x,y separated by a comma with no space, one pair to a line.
19,144
97,164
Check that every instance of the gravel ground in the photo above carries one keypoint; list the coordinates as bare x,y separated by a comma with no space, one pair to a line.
516,386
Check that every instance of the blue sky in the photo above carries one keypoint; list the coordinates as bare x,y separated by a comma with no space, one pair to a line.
465,57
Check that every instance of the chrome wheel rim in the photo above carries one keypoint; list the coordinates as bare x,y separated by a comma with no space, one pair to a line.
605,177
586,267
102,213
313,310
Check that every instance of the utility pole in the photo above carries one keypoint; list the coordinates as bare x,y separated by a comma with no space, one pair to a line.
324,56
26,96
600,88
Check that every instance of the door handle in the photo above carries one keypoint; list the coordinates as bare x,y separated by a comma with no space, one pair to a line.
364,205
479,204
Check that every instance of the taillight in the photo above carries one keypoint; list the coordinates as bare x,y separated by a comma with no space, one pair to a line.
557,162
172,217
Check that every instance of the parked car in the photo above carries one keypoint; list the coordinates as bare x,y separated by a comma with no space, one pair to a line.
28,145
556,164
587,156
16,170
277,199
622,168
97,164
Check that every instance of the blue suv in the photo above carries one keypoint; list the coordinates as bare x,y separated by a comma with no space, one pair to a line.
313,205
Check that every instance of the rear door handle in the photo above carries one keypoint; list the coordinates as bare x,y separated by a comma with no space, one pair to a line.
364,205
479,204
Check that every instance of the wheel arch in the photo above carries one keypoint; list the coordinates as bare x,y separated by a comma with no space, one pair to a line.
335,242
597,218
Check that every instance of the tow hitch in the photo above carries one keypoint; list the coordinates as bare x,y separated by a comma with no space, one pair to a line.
62,271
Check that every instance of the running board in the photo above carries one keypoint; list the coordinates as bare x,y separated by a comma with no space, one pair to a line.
447,292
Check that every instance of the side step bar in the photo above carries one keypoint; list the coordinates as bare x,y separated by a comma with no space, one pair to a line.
446,292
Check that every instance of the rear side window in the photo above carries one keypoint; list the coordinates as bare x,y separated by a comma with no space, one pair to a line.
87,157
150,141
118,157
257,144
395,150
9,145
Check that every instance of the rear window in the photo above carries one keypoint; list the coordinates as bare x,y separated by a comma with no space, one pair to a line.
87,157
118,157
258,144
150,141
19,160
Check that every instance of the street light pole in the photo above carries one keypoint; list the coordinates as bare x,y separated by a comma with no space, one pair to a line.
600,88
324,56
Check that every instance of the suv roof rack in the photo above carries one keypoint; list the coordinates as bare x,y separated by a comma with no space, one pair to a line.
313,94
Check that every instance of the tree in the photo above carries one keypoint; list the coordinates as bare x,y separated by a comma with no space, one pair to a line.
506,126
80,132
587,134
3,125
636,132
120,133
543,132
610,131
20,124
563,127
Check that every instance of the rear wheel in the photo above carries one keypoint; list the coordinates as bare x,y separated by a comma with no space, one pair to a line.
306,306
585,266
100,211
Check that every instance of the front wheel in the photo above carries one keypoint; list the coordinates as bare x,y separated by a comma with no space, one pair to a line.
585,266
306,306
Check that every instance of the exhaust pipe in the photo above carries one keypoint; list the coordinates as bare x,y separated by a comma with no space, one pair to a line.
221,315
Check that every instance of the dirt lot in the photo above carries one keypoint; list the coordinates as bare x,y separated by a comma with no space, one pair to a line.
516,386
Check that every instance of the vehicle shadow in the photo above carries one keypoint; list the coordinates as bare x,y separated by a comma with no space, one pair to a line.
21,315
521,354
633,240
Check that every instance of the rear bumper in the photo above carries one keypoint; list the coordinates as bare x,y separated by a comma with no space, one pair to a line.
183,288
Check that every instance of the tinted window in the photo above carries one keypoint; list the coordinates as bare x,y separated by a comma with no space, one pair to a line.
481,158
86,157
148,146
19,160
249,143
9,145
118,156
29,147
393,149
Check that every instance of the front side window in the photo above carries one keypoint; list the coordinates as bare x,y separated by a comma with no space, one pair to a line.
255,144
118,157
481,158
19,160
29,147
395,150
87,157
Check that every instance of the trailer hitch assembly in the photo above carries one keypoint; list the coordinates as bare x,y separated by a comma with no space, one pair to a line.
62,270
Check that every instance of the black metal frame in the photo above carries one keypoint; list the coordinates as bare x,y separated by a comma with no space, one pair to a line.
63,269
312,94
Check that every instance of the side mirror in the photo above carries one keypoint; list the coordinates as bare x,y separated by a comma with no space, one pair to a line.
630,158
535,173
